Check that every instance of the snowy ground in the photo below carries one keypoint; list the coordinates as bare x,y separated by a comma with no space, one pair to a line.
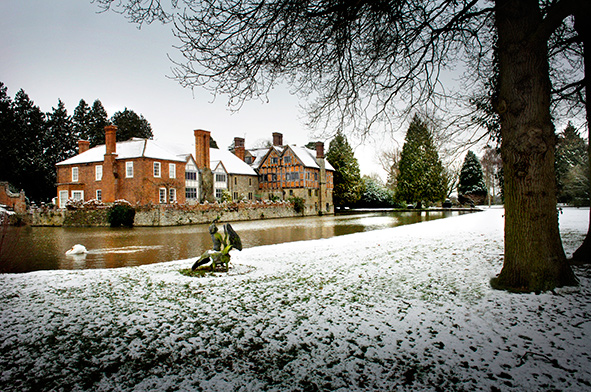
408,308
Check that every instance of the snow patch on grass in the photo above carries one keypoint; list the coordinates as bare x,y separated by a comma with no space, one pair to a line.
408,308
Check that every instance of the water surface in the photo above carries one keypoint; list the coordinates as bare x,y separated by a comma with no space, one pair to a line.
25,249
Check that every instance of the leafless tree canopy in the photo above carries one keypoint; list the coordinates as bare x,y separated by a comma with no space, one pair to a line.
351,58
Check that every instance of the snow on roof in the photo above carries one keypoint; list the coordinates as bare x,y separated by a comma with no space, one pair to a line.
258,154
133,148
308,157
231,162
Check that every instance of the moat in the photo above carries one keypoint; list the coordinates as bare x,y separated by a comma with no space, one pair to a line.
26,249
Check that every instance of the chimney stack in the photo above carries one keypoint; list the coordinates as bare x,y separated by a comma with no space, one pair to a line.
111,139
109,180
202,148
83,146
239,150
277,139
319,150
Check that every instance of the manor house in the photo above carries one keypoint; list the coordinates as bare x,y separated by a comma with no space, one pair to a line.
145,173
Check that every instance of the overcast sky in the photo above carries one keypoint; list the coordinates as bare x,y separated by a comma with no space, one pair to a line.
66,49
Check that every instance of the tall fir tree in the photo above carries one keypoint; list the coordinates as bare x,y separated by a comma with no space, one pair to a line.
28,162
572,164
130,124
8,135
421,176
98,120
348,185
81,121
471,186
59,143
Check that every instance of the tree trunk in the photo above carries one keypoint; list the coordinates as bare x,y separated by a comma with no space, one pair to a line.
583,254
534,257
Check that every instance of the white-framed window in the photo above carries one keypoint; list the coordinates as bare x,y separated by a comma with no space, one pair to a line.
171,170
162,195
156,169
99,194
129,169
63,199
219,193
172,195
77,195
191,193
75,174
98,172
220,177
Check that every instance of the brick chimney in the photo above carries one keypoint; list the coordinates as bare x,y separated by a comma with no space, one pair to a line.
319,150
277,139
110,176
83,146
111,139
202,160
202,148
239,150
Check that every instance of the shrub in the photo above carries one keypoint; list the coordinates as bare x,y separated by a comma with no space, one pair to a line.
121,215
298,204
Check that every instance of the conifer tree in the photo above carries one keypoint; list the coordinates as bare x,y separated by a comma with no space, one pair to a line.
97,122
572,165
8,136
81,121
348,185
421,177
27,149
61,140
471,186
130,124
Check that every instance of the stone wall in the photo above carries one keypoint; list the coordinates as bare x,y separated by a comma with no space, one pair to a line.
166,215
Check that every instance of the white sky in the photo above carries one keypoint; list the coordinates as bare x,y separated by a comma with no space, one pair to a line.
68,50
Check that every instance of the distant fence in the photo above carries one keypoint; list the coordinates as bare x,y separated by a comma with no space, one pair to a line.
164,215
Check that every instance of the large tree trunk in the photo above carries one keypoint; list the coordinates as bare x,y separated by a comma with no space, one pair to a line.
534,257
583,254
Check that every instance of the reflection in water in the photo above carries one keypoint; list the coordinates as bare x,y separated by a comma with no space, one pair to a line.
37,248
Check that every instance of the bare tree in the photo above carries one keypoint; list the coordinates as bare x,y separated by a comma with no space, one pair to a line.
366,61
491,166
389,160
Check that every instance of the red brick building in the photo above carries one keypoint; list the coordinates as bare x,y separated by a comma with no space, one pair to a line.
13,200
137,170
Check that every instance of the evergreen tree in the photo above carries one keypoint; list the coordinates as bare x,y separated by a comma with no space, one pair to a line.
420,172
375,195
61,139
348,186
81,121
130,124
28,165
472,186
97,122
572,164
8,136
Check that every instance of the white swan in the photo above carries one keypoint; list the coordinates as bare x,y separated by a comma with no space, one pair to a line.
77,250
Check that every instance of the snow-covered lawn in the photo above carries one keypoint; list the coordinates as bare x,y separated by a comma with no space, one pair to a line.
408,308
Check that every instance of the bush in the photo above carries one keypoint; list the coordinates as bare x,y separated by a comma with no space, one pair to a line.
298,204
121,215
